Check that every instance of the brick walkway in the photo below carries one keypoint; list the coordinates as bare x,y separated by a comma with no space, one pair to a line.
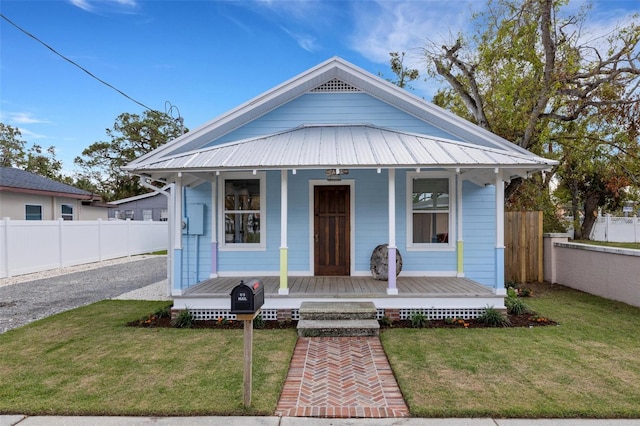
341,377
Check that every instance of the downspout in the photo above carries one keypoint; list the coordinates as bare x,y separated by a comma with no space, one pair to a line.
171,223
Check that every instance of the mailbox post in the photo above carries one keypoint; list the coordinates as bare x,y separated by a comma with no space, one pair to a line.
246,300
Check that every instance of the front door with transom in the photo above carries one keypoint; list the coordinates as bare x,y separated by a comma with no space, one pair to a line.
332,233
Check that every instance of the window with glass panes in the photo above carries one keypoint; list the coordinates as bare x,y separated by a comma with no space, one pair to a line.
67,211
430,210
32,212
242,203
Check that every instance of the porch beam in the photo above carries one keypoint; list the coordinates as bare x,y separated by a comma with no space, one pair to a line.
391,249
284,250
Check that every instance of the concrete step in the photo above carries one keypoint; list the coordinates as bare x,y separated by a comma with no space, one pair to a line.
337,311
338,328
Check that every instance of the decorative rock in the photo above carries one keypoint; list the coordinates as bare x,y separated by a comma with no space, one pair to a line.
380,262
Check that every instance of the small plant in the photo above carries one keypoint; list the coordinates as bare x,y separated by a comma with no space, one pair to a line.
184,319
164,312
516,306
418,320
492,317
385,321
222,321
525,292
512,284
258,322
450,321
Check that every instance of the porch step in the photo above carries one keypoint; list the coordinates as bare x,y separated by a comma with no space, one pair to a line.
337,310
337,319
338,328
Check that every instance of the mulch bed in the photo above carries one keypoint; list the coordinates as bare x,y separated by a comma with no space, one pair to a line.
524,320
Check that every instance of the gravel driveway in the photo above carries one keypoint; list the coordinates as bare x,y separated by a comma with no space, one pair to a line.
23,301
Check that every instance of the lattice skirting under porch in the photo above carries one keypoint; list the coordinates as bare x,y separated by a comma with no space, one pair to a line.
293,314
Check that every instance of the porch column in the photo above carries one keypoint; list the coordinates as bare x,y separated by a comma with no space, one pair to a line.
177,237
214,228
284,250
391,289
459,243
499,265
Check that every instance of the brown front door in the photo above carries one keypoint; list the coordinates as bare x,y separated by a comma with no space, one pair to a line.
332,233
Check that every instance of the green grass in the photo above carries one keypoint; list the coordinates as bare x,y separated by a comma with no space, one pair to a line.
585,367
635,246
86,361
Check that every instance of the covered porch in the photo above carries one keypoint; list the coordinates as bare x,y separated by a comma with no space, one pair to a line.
436,297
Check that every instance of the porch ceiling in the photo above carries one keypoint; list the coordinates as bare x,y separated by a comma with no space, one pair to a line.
344,146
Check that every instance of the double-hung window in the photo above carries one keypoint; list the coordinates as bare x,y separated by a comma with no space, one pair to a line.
430,210
67,211
32,212
243,210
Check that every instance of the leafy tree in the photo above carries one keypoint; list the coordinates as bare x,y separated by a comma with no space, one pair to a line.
132,135
12,152
528,75
34,160
403,74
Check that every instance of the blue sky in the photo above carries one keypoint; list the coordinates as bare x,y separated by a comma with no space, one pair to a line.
202,57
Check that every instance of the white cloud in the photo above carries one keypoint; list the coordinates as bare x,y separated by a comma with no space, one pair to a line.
95,5
82,4
305,41
385,26
24,118
28,135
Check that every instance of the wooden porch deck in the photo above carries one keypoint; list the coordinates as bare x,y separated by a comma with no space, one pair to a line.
344,287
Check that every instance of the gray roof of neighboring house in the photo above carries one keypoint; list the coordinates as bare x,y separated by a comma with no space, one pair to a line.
11,177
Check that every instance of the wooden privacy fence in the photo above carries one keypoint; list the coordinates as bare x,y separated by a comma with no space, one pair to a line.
523,259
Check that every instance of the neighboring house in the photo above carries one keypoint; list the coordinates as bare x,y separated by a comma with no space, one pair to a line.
150,206
299,185
27,196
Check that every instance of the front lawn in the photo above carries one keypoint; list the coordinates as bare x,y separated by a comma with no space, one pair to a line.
585,367
86,361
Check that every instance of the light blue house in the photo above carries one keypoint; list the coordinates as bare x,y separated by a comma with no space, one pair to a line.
299,185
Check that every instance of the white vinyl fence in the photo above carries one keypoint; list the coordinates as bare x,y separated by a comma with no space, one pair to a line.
28,246
616,229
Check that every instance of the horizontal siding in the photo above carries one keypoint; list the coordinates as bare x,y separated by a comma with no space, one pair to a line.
196,249
333,108
479,232
371,229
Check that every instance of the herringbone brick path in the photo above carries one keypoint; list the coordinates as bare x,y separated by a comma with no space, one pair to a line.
340,377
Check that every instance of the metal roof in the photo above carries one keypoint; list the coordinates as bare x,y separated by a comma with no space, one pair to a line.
347,73
342,146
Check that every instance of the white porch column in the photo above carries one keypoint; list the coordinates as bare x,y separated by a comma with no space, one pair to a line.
499,264
177,237
391,289
459,242
284,255
214,228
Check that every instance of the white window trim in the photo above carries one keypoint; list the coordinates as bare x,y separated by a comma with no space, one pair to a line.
222,244
411,246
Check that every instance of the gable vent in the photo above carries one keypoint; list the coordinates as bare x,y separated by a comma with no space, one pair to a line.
333,86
